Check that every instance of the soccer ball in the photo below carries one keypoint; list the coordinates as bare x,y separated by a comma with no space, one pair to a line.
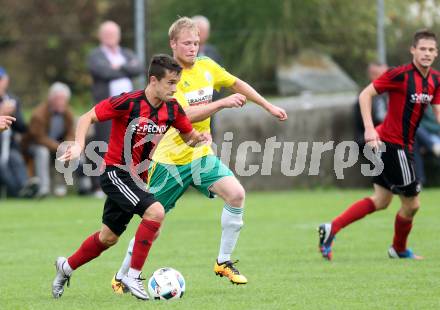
166,283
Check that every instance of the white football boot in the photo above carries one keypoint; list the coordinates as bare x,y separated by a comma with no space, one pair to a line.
136,286
61,278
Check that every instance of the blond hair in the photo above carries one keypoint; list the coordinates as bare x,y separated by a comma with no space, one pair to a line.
181,24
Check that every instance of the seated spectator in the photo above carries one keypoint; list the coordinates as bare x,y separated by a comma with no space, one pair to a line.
380,104
13,173
52,122
428,140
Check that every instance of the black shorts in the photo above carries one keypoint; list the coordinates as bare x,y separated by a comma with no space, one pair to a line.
398,174
124,199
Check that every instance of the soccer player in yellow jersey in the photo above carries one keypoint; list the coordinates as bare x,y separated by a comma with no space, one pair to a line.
175,166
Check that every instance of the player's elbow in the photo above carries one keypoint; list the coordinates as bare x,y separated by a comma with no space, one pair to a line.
195,115
191,116
85,119
364,95
367,93
437,115
239,86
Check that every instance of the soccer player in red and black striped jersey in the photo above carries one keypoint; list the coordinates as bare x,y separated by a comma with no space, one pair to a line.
137,119
411,88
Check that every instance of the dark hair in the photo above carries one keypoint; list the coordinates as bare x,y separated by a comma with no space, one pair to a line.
160,63
423,34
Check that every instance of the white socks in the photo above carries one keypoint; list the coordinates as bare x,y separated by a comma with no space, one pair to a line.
232,221
123,270
133,273
66,268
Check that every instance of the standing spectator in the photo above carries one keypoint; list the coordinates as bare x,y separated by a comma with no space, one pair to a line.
208,50
112,67
51,123
380,104
13,173
428,138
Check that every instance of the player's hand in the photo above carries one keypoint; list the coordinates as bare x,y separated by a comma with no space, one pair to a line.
202,138
195,138
234,101
73,151
6,122
205,138
278,112
372,138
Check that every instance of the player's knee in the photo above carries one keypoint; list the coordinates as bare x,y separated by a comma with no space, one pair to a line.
155,212
381,202
411,208
415,208
236,198
108,239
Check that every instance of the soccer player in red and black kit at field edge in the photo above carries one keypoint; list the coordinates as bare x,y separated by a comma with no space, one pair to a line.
411,88
145,114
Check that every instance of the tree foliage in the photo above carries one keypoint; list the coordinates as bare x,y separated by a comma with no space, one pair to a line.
46,40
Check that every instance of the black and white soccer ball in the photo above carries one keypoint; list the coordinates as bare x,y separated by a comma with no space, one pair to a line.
166,284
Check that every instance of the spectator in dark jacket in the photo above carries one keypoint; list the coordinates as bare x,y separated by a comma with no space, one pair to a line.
112,67
208,50
379,107
13,172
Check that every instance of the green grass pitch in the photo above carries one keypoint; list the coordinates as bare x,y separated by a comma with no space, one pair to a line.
277,251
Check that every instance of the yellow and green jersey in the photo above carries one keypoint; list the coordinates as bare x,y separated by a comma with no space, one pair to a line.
195,87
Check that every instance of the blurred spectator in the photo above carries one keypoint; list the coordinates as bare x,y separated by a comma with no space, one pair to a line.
6,122
112,68
13,172
206,49
209,50
380,104
427,141
51,123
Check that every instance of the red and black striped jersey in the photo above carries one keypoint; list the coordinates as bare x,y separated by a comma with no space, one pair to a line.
409,94
137,126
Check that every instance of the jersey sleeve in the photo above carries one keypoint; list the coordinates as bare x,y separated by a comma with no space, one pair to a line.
436,99
221,77
181,121
180,98
389,81
112,107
